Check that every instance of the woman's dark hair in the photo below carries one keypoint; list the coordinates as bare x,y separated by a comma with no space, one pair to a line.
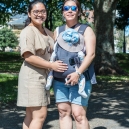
30,7
76,2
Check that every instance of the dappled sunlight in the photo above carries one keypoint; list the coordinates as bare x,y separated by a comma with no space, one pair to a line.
109,103
10,118
107,47
105,7
104,124
15,116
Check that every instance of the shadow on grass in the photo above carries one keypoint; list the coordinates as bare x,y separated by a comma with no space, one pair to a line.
10,67
10,62
8,88
123,61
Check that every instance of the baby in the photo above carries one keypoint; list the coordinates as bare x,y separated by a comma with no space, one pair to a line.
81,82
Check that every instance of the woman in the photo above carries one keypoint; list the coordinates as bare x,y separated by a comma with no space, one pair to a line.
36,44
68,100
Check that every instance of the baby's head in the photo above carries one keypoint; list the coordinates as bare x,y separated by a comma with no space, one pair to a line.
70,36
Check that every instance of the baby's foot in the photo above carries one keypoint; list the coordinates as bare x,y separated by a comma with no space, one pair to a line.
83,94
49,82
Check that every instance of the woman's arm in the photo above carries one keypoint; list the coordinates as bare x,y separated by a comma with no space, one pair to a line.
39,62
90,45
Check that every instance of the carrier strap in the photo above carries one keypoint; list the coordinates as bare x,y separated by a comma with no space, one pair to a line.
61,29
81,29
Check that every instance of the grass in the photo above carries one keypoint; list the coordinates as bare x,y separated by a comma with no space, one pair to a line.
112,78
10,63
8,88
123,61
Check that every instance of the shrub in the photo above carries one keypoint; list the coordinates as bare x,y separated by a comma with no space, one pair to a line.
7,38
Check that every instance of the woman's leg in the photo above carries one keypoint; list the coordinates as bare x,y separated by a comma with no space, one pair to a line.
27,119
65,119
79,114
61,92
38,115
78,106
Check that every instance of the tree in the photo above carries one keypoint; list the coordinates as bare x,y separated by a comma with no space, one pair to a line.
122,19
105,11
7,39
106,62
104,25
118,40
11,7
105,14
54,10
53,13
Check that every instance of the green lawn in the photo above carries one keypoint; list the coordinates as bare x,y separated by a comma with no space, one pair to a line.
123,61
10,64
8,88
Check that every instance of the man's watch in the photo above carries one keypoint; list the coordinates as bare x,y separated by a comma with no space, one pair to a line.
79,74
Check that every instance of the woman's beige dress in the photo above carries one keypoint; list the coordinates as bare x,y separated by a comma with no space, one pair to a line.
32,80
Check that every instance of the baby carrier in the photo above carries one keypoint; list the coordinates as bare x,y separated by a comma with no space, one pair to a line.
71,57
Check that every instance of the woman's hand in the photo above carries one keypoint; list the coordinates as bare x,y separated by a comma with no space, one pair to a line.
72,79
59,66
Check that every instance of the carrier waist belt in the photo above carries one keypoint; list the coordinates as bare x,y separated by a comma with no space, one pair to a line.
86,74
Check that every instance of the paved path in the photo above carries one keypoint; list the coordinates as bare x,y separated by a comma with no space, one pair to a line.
108,109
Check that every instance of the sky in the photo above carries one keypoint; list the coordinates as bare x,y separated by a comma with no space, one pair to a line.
127,31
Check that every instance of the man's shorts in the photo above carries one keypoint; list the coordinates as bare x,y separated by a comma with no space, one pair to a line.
64,93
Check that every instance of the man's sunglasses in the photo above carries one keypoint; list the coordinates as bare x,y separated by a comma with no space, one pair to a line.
73,8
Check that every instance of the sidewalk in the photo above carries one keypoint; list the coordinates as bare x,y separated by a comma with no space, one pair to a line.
108,109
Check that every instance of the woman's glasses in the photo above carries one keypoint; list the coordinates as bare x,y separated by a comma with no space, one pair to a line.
37,12
73,8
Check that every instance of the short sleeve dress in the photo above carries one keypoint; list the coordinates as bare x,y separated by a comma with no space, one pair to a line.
32,80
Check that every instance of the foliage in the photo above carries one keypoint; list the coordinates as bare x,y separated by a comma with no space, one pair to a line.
118,36
54,10
7,38
122,20
11,7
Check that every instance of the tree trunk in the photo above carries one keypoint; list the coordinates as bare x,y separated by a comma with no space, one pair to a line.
46,23
50,20
105,62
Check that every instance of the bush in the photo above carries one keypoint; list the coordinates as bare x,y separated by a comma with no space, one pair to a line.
7,38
